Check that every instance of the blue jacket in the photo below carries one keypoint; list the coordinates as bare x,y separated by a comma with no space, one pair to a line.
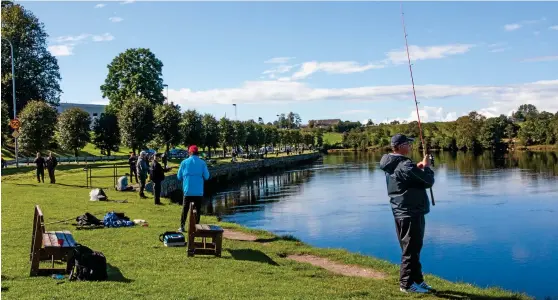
192,172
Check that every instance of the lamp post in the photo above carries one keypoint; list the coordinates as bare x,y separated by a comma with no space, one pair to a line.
14,96
235,117
167,86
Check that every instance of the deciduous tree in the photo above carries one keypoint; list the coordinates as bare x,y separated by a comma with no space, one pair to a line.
136,122
106,133
73,129
167,125
38,123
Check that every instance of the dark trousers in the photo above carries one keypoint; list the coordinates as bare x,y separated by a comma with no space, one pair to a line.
142,185
133,173
41,175
410,233
186,205
157,192
51,175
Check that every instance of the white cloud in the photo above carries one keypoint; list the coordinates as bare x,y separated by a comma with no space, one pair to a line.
512,27
429,52
496,50
116,19
281,69
334,67
555,27
543,94
278,60
105,37
541,58
354,111
516,26
61,50
100,5
70,38
128,2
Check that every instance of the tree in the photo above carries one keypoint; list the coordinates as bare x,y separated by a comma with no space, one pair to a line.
192,128
136,122
526,112
5,126
106,133
319,137
239,134
73,129
167,125
37,74
492,132
134,72
226,134
38,122
210,132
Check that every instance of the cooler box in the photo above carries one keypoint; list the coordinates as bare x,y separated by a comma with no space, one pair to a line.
174,240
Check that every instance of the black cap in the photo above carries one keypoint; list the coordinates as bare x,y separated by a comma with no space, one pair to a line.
399,139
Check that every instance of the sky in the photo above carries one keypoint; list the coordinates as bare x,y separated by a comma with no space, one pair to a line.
319,59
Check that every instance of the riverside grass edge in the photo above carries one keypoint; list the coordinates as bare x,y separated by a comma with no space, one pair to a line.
141,268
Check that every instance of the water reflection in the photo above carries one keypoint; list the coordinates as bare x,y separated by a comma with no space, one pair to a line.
493,222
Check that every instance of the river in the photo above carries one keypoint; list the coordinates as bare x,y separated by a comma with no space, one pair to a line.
494,224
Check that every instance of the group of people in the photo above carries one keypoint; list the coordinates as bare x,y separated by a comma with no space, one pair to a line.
193,172
50,163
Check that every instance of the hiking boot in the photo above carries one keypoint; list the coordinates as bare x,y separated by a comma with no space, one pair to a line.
426,286
414,288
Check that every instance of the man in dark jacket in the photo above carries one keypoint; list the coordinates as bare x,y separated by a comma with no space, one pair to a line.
40,163
51,163
157,176
406,186
143,169
132,161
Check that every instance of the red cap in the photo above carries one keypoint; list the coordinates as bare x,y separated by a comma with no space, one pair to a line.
193,149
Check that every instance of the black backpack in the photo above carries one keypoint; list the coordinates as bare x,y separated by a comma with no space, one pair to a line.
88,219
88,264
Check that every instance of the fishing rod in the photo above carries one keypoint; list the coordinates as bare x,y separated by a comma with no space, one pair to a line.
424,151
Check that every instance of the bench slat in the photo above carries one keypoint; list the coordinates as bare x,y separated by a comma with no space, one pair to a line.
52,237
46,240
62,236
70,238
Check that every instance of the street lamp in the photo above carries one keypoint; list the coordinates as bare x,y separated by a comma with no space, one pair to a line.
235,117
167,86
14,95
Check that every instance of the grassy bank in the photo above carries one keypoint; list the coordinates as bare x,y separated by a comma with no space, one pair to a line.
141,268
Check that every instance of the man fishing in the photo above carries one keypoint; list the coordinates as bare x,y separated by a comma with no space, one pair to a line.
406,187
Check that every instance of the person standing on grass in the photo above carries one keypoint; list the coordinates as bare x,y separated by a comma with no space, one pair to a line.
157,176
406,186
40,163
51,163
192,172
132,161
142,169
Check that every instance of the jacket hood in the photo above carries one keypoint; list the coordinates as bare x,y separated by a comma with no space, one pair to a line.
389,162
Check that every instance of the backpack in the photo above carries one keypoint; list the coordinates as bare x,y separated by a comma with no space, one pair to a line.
88,219
88,264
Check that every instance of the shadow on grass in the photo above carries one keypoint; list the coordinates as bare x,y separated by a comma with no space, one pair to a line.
278,238
114,274
252,255
463,295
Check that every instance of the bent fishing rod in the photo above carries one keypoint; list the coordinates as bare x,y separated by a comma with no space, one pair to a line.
424,151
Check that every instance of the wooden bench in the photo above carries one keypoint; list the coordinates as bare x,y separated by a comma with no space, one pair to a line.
204,231
49,245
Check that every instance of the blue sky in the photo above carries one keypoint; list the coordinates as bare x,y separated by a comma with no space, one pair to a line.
320,59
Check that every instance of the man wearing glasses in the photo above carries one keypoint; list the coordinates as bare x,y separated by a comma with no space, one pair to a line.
406,186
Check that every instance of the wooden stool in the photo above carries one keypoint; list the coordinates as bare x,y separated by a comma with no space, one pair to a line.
204,231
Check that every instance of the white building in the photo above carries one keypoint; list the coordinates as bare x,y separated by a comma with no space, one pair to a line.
94,110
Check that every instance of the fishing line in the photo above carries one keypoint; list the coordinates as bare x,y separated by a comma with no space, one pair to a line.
414,93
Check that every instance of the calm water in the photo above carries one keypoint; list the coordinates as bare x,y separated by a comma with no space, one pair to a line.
495,221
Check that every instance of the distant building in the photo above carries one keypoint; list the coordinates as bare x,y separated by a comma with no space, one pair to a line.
324,123
94,110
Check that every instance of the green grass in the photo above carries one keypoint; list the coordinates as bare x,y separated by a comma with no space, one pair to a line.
332,138
141,268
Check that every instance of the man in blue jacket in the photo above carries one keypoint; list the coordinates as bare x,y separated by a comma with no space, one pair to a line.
406,186
192,172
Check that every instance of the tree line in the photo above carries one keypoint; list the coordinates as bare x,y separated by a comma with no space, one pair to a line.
139,124
526,126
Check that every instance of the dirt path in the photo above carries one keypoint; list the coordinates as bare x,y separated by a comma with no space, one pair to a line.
347,270
239,236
